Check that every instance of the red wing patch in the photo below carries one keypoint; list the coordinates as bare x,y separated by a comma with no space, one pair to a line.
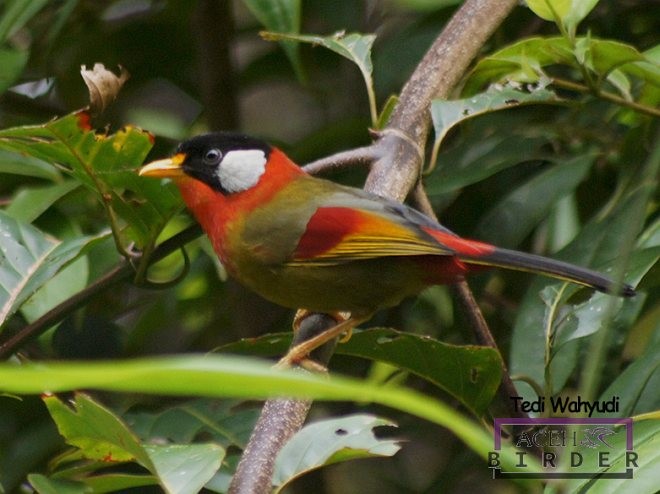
348,234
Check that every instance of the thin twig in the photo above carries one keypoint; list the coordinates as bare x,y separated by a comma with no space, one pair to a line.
359,156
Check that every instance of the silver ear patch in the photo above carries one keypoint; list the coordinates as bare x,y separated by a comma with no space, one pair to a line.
241,169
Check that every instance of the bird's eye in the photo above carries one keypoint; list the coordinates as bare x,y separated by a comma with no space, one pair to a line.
212,156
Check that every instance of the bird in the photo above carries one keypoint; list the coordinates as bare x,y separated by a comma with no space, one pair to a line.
302,241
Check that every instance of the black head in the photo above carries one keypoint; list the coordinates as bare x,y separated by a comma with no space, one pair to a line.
227,162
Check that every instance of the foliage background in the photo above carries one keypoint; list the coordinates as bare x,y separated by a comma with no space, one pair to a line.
201,65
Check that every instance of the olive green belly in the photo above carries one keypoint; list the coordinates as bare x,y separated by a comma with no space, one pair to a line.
359,286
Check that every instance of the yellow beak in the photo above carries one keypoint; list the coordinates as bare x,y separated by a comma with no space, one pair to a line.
168,167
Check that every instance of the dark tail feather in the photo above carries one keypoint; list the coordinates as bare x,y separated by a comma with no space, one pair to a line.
556,269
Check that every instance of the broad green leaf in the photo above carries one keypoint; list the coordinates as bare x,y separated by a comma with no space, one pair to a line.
461,166
521,61
225,423
117,482
29,259
516,215
20,164
280,16
355,47
29,203
225,376
106,164
44,485
637,380
550,10
102,436
603,56
98,484
578,11
568,13
469,373
330,441
646,434
524,61
448,113
96,431
184,468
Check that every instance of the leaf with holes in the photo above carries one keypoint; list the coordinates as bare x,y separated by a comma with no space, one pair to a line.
526,61
331,441
469,373
448,113
106,164
29,258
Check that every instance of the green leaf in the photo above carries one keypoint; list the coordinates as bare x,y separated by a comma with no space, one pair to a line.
636,381
44,485
29,259
106,164
550,10
524,61
19,164
447,114
567,13
646,434
184,468
102,436
224,423
516,215
330,441
469,373
96,431
466,165
521,62
30,202
225,376
603,56
117,482
355,47
281,16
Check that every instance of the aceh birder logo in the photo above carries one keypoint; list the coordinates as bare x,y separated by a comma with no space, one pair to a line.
565,447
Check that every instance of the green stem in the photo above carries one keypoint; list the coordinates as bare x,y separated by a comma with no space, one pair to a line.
611,97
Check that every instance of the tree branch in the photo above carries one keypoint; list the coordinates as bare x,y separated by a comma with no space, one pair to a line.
280,418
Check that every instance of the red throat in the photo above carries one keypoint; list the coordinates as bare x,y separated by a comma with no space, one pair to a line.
216,212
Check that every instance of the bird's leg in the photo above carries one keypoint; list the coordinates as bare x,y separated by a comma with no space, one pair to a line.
300,352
